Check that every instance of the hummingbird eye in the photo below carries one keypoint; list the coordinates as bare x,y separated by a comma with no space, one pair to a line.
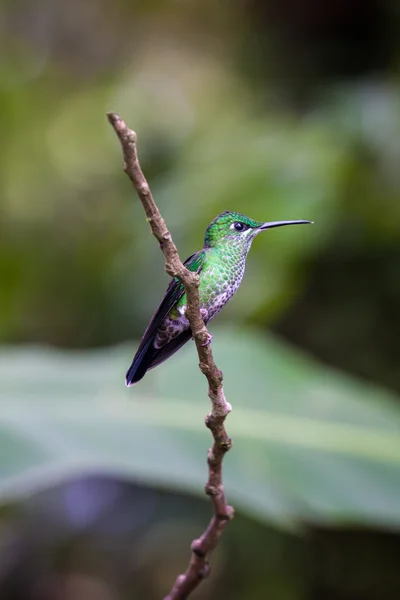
238,226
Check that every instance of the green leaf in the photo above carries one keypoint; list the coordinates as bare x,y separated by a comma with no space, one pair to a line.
309,444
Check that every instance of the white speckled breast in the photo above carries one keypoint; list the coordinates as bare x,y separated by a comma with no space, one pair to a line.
220,279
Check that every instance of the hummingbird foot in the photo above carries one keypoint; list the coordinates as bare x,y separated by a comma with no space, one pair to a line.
208,340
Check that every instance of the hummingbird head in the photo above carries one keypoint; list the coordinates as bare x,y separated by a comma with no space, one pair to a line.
237,229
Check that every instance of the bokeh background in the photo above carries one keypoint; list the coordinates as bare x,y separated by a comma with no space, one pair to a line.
278,109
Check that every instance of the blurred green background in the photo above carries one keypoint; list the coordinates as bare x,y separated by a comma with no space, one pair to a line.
277,109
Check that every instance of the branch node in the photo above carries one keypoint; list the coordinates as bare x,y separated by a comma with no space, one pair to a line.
226,445
224,517
197,549
144,189
205,571
212,490
230,512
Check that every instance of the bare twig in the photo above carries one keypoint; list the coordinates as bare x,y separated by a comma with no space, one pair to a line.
202,547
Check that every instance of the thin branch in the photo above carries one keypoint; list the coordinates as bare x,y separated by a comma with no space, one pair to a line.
202,547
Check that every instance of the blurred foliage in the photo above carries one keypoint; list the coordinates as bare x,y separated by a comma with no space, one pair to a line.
310,445
278,109
312,448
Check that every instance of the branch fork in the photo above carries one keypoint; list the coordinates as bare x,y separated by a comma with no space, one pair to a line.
202,547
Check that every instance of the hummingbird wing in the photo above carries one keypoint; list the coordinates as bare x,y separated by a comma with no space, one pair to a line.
170,348
147,355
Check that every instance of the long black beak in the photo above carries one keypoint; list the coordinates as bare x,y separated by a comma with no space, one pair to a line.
282,223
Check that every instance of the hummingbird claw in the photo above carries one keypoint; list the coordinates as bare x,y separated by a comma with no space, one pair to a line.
208,341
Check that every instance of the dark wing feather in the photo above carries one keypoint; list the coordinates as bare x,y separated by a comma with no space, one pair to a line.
169,349
146,353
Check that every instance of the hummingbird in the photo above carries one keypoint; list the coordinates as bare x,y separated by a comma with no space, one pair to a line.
220,265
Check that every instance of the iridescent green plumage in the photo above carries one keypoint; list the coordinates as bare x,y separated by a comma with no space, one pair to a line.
220,265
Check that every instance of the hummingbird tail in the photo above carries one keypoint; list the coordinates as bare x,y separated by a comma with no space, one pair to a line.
149,357
140,364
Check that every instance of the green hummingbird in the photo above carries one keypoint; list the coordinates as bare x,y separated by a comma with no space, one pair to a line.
220,265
